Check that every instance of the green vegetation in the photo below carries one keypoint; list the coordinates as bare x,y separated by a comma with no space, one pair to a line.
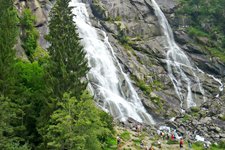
197,146
149,88
29,33
195,32
170,142
43,101
8,32
68,65
186,118
222,117
125,136
206,20
219,146
195,109
110,144
99,10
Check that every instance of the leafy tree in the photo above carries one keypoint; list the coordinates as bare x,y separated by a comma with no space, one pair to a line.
77,124
68,66
31,93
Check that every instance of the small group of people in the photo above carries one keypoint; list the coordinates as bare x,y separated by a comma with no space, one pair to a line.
173,136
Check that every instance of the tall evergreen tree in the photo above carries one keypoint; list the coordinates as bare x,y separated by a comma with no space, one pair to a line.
68,64
8,32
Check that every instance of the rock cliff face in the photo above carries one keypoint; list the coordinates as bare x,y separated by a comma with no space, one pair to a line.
136,36
40,9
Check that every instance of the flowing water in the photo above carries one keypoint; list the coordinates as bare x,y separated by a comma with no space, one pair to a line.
179,67
111,86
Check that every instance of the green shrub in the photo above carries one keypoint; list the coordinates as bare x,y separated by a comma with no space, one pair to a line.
194,32
222,117
125,136
217,52
30,33
170,142
198,146
110,144
186,118
118,18
195,109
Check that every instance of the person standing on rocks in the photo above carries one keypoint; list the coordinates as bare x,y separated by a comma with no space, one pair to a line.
118,139
172,137
181,143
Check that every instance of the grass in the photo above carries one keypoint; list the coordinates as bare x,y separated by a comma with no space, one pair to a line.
198,146
170,142
194,32
110,144
217,53
137,142
125,136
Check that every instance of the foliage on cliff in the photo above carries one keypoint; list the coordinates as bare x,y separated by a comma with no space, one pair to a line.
206,20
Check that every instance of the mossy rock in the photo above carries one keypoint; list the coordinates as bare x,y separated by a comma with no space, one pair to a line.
222,117
99,11
195,109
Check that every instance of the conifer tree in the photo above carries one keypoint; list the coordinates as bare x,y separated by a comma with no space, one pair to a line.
68,64
8,32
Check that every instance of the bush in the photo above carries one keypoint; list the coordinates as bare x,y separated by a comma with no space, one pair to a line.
193,32
195,109
186,118
197,146
125,136
110,144
222,117
172,142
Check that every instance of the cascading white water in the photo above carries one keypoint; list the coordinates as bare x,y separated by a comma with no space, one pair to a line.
106,77
178,65
221,87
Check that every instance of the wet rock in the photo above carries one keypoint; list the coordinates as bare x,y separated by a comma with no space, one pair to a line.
181,37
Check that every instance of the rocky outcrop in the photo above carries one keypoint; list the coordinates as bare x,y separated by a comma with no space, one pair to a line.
207,121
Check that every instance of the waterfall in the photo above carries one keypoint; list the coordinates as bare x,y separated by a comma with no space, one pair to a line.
179,67
112,88
221,86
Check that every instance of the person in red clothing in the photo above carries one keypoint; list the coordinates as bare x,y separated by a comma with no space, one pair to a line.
181,143
172,137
